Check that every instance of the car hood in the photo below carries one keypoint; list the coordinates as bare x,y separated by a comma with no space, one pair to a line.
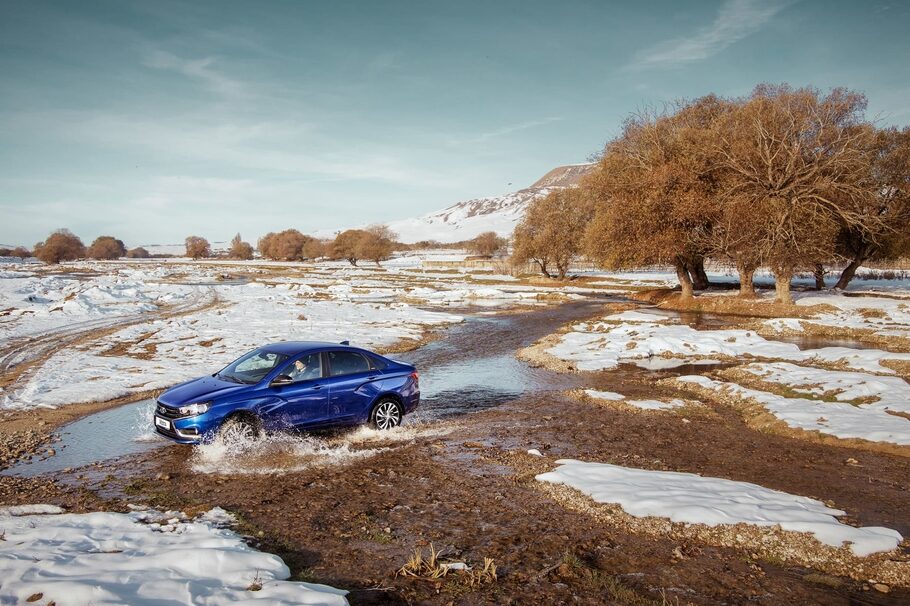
198,390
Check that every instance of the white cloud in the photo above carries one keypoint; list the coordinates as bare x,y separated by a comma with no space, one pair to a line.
198,69
735,20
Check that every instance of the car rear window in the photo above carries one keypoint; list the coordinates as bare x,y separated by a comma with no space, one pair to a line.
347,363
377,363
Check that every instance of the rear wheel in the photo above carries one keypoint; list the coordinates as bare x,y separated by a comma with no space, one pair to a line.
386,415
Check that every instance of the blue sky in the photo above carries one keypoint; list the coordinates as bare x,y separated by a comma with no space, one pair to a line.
153,120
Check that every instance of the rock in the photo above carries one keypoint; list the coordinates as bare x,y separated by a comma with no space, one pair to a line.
851,461
51,452
881,587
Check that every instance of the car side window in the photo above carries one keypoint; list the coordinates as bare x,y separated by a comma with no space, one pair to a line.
347,363
377,363
305,368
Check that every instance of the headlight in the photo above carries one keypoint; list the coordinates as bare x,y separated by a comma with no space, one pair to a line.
195,409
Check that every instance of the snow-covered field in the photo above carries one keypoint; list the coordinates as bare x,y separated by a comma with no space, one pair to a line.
144,325
141,558
693,499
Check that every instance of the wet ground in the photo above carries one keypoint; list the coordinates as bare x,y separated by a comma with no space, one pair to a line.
349,508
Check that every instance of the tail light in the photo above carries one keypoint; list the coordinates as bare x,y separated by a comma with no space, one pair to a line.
416,378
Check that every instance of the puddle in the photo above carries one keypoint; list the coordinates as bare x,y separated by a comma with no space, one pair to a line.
819,342
109,434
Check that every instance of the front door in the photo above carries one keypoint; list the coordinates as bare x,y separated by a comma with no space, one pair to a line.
304,401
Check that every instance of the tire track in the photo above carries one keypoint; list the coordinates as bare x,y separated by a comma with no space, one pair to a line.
20,357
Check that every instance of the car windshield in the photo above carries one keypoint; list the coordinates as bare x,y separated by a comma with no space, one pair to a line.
252,367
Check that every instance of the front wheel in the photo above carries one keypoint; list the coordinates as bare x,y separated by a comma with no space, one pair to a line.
386,415
239,428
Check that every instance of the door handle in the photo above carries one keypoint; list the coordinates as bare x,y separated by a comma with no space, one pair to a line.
316,386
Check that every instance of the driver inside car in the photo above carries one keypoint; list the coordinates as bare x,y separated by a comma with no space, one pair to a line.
305,369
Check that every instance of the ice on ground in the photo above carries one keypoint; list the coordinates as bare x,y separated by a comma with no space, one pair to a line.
871,391
604,345
113,558
864,421
642,404
694,499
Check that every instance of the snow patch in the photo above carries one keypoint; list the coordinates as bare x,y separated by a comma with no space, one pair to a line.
694,499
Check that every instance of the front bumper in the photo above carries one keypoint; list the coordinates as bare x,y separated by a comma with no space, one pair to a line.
181,429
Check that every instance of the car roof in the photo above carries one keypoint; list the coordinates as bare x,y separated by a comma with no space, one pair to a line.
293,348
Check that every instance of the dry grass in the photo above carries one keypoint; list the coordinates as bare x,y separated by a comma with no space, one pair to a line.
432,568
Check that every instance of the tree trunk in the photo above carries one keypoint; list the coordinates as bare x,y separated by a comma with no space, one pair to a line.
543,268
782,277
685,282
699,276
850,271
746,285
819,272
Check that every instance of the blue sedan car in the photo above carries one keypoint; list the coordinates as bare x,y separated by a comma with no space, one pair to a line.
304,384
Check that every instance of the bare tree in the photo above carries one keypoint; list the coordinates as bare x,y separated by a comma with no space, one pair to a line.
377,243
550,233
884,230
794,157
62,245
197,247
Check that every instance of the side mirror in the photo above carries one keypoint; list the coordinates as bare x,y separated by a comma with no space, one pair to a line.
281,380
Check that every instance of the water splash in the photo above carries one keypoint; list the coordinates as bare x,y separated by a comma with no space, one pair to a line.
143,428
234,452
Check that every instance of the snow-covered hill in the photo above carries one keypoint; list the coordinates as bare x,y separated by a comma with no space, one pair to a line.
465,220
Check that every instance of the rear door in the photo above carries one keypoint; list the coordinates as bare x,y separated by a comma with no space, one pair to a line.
351,386
304,402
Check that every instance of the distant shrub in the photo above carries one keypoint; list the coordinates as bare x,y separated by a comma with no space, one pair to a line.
197,247
138,253
62,245
106,247
19,251
487,244
240,249
287,245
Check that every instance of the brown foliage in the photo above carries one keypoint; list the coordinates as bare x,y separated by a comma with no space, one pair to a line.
106,247
487,244
377,243
797,159
137,253
656,193
19,251
62,245
884,231
347,245
550,232
315,249
287,245
240,249
197,247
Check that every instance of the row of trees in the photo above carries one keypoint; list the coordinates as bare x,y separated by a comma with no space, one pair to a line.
790,179
375,243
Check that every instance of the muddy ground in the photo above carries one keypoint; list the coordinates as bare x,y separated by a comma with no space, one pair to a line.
467,487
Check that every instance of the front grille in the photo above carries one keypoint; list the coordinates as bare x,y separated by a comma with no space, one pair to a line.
167,413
